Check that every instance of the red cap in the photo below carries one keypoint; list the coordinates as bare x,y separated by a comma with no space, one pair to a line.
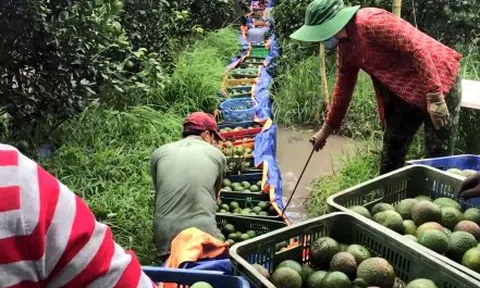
202,121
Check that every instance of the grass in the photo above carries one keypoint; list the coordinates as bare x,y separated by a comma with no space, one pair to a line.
105,160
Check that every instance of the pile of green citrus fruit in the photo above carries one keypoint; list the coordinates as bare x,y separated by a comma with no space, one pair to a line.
336,265
258,208
440,225
244,186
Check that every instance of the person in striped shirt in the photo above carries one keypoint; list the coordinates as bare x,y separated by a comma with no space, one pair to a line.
50,238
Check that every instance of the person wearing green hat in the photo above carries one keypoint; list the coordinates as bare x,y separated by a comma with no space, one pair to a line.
415,77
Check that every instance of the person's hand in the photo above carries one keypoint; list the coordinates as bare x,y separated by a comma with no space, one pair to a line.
437,108
319,139
470,188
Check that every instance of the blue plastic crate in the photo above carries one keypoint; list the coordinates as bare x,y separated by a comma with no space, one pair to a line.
462,162
238,110
187,277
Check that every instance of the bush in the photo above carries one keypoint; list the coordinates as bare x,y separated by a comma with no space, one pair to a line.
107,165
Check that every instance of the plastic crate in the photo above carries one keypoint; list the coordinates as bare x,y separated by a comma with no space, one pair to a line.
408,263
249,200
234,110
183,277
257,52
251,178
462,162
393,187
261,226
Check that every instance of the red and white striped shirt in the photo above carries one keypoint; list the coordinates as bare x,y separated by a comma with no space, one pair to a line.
50,238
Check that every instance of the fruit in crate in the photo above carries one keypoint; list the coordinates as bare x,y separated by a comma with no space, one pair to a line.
438,224
236,129
330,267
201,285
464,172
249,208
244,186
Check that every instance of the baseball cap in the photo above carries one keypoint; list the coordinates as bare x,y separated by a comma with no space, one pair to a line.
202,121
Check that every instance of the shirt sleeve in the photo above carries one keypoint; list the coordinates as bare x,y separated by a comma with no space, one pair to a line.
74,248
395,34
347,76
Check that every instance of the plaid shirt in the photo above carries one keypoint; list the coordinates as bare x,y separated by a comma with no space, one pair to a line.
407,61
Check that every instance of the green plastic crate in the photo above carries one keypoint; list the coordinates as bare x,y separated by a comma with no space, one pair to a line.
248,200
409,264
257,52
395,186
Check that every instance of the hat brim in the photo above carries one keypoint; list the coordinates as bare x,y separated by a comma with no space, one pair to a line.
327,30
219,137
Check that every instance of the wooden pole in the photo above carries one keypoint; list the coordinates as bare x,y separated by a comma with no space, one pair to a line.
323,78
397,7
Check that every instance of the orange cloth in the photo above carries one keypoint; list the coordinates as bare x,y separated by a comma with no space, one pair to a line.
191,245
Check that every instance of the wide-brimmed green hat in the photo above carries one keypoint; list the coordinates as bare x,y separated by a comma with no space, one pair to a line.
324,19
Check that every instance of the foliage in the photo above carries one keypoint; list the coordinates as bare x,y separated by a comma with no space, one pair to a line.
57,58
107,165
450,21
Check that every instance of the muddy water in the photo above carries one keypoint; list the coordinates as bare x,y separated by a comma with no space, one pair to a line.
293,150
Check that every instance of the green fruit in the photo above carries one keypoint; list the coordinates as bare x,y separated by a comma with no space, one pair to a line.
237,211
307,271
459,243
231,242
359,252
361,210
238,188
286,277
404,208
291,264
201,285
225,207
234,205
376,272
251,233
314,280
409,227
422,283
434,240
233,236
380,207
257,210
227,188
223,211
472,214
263,213
227,229
246,184
471,259
429,226
468,226
423,198
322,251
360,283
227,182
221,237
246,211
447,202
335,279
244,237
263,204
425,211
259,183
390,219
411,237
262,270
344,262
451,217
254,188
455,171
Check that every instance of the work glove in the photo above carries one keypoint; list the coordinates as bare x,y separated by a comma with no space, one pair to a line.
319,139
470,188
437,108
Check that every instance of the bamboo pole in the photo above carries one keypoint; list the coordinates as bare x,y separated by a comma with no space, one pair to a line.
323,78
397,7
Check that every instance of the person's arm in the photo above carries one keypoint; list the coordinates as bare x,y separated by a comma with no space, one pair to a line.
57,241
347,76
393,33
470,188
222,172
